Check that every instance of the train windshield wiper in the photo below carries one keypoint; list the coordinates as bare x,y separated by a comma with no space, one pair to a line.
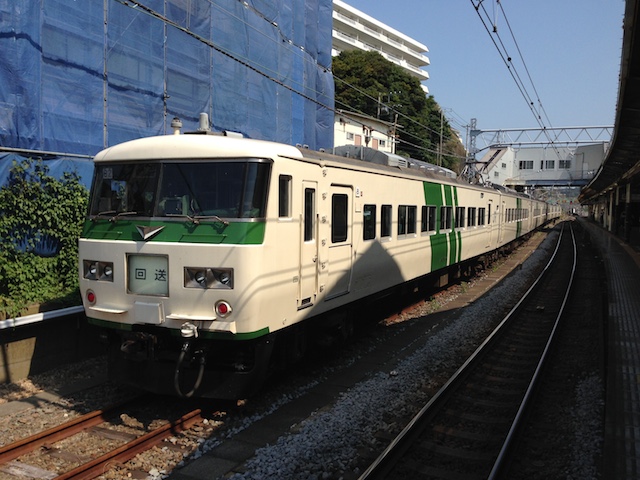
111,214
121,214
107,213
196,218
212,217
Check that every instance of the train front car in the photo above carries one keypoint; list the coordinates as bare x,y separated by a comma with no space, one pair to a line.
170,258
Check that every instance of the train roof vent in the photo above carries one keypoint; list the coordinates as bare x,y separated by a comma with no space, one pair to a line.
383,158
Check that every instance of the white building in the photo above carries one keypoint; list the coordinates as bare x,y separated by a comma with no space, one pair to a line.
355,129
529,168
355,30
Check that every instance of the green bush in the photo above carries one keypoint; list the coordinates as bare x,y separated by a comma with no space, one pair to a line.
40,222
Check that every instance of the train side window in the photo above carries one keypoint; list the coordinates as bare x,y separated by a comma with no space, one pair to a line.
471,217
402,219
432,218
481,215
309,214
424,223
412,219
407,219
445,218
385,221
489,215
428,218
284,196
369,222
339,217
459,218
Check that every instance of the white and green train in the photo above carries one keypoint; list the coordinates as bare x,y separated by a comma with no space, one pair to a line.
207,258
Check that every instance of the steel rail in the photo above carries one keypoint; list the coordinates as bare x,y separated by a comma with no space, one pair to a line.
506,446
59,432
130,449
98,465
402,441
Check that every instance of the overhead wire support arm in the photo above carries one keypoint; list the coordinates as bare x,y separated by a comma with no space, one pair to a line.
580,135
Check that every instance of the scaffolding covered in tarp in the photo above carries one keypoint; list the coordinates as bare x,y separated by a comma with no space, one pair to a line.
79,76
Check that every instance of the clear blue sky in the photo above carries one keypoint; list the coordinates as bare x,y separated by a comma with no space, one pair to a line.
571,48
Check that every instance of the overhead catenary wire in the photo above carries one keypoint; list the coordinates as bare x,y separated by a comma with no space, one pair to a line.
507,59
515,41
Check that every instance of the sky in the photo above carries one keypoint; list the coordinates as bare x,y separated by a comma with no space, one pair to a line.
571,51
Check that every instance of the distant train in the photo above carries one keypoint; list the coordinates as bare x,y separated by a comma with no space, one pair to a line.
207,258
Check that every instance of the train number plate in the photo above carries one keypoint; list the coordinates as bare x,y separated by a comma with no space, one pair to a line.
148,274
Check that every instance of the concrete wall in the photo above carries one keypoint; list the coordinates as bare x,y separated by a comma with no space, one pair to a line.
36,348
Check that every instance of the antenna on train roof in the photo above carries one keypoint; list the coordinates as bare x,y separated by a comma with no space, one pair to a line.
176,124
204,123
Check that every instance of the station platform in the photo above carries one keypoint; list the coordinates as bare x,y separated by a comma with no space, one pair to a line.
622,411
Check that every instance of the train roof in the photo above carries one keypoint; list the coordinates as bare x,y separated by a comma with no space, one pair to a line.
168,147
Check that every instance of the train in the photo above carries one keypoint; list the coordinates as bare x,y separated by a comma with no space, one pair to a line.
208,260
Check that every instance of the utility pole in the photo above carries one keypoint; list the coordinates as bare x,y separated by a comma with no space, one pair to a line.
441,130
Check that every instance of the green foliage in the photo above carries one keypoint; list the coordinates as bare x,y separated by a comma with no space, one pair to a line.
40,221
368,83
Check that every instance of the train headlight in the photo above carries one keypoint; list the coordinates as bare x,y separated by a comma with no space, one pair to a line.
201,278
208,278
97,270
222,308
224,278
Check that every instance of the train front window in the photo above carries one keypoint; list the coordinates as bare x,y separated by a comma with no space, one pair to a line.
124,188
224,189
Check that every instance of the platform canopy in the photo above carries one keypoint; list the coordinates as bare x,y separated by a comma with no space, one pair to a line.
622,163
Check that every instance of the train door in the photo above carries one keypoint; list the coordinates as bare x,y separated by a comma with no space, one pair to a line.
340,242
502,221
489,225
308,271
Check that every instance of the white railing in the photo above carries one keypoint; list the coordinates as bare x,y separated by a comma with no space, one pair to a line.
39,317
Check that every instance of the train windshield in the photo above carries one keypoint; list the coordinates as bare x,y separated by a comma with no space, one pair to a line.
225,189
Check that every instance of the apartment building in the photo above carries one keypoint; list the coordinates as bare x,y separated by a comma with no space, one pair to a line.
353,29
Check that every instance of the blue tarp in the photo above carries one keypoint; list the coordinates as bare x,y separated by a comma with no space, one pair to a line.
57,167
78,76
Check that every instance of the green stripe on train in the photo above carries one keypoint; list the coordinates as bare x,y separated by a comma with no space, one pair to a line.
445,247
236,233
456,236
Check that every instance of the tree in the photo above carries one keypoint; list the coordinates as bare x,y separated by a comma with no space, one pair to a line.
41,218
365,82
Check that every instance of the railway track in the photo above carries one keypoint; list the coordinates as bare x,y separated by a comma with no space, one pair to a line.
468,426
63,445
